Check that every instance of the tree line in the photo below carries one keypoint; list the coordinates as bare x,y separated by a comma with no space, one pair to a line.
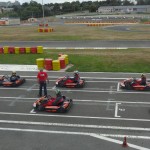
34,9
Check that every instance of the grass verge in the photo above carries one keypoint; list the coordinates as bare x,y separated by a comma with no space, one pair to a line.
124,60
73,32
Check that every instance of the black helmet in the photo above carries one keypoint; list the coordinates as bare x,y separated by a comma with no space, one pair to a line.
142,75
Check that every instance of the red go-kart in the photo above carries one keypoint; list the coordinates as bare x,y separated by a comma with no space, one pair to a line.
6,81
67,81
46,104
134,84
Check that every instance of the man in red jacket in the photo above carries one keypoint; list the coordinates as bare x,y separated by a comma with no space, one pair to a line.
42,77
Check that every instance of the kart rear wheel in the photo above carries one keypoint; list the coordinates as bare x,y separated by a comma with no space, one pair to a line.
62,110
128,86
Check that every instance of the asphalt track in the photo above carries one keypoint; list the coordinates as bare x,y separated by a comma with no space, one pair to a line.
101,116
98,44
125,28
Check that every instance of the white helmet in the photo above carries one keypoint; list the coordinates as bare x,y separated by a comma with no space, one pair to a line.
76,72
13,72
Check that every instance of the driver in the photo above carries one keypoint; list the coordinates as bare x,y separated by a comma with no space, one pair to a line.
14,77
58,97
143,79
76,77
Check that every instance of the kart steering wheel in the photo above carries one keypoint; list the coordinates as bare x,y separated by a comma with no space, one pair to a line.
134,78
67,76
49,96
6,77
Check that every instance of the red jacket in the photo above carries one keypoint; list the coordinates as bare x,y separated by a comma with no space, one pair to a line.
42,76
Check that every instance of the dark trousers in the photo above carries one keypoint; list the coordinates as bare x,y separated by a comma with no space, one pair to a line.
42,85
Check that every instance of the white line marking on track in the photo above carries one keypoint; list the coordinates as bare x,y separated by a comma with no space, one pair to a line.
99,136
119,142
81,100
85,77
116,109
16,100
78,117
32,111
83,90
30,88
108,104
86,81
118,87
75,125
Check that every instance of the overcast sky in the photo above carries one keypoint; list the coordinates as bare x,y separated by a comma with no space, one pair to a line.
48,1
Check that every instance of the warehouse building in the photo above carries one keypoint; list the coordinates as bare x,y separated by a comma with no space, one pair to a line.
124,9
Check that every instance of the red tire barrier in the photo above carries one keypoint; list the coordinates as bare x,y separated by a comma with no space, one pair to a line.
40,30
11,50
33,50
46,30
62,63
1,50
22,50
48,64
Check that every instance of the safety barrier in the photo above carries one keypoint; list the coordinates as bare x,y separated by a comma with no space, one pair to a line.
45,29
103,23
148,22
21,50
50,64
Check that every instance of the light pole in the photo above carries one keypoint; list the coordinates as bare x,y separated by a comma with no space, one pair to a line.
43,10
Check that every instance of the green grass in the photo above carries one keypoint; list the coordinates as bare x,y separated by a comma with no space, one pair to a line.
125,60
72,32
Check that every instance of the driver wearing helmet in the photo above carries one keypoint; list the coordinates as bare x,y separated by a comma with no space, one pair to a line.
143,79
76,77
58,97
14,77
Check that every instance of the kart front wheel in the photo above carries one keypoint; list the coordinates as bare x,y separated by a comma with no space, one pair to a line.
40,108
61,84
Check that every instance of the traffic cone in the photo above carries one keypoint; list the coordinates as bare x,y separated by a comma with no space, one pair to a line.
125,142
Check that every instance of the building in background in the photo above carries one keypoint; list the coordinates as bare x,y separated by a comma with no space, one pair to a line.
9,4
124,9
9,21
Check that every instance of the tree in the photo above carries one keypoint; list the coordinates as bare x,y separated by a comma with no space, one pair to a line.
127,3
113,2
140,2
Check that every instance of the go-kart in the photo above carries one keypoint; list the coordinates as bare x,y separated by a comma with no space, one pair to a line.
46,104
6,81
134,84
67,81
